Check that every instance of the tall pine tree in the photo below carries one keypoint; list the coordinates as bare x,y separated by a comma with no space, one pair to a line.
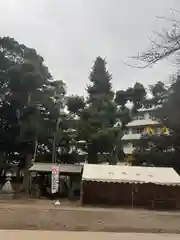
98,118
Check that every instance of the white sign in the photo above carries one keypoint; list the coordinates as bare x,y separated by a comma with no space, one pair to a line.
54,179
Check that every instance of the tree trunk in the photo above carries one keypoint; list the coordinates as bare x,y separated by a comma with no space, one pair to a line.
18,174
92,157
113,159
28,160
35,149
25,184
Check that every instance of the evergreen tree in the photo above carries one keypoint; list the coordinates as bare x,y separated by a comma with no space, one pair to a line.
27,102
163,149
100,88
100,115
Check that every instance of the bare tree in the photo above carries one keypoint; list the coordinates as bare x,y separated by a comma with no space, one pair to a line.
166,43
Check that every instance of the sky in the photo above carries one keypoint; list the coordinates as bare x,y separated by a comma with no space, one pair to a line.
70,34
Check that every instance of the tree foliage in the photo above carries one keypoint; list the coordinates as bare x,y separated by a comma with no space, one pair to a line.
28,100
97,120
163,149
75,104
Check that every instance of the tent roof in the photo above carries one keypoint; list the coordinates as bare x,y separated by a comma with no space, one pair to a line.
130,174
63,168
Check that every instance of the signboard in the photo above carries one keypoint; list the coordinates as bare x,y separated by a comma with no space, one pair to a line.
54,179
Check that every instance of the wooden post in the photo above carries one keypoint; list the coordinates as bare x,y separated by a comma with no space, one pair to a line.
132,192
81,192
30,184
70,194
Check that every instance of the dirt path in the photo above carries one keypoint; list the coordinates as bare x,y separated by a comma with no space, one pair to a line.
29,235
42,215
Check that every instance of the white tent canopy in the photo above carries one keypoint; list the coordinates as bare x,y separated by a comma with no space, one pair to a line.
130,174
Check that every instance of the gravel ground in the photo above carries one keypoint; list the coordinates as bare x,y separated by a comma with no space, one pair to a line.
42,215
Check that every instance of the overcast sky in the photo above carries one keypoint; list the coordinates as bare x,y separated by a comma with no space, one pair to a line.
70,34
